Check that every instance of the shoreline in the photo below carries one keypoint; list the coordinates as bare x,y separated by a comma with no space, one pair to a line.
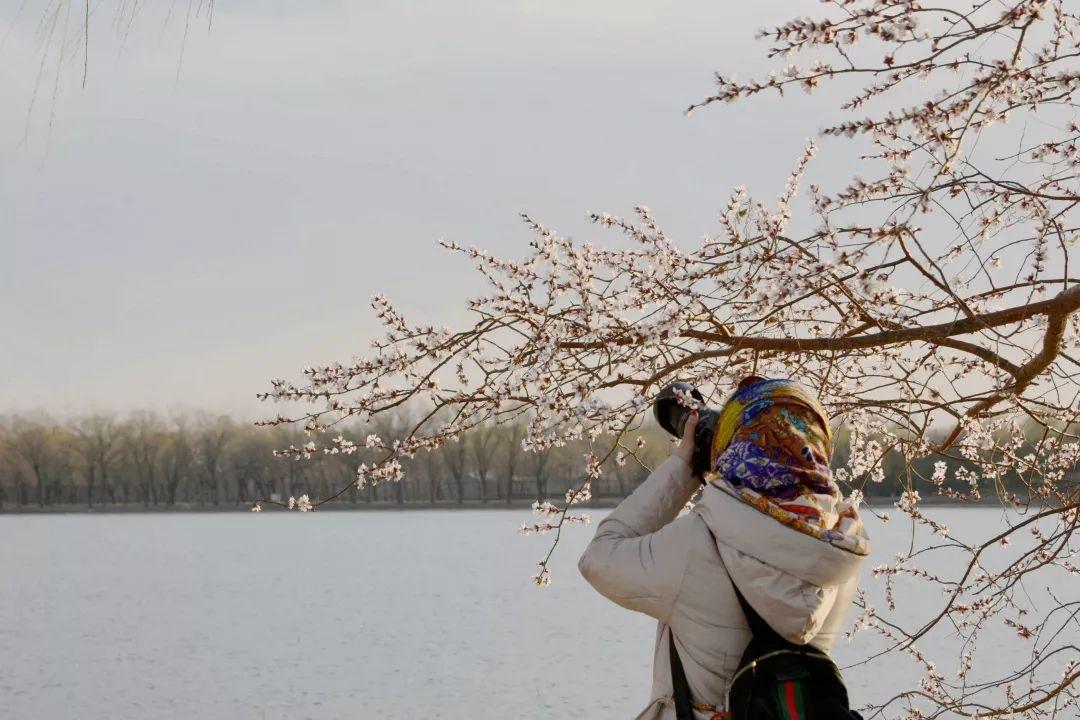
516,505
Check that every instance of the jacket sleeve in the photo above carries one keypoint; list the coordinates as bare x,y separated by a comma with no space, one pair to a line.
638,556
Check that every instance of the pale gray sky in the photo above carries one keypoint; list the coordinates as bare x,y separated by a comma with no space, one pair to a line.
178,239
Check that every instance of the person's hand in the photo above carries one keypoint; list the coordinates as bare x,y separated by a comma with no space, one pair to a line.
685,450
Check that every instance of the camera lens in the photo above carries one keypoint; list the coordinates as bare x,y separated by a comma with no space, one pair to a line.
669,412
672,415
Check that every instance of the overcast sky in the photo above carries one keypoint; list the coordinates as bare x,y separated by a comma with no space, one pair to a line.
196,223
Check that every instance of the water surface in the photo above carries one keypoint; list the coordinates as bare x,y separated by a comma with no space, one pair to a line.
413,614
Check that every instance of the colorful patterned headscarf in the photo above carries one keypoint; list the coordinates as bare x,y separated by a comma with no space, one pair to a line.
773,438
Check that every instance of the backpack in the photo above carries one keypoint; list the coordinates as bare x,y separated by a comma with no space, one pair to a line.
776,679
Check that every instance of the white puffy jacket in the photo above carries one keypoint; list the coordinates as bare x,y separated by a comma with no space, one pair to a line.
677,571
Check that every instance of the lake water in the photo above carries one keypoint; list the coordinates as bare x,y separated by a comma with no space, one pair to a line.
413,614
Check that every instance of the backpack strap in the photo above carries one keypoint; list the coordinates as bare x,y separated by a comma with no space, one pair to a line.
680,686
760,629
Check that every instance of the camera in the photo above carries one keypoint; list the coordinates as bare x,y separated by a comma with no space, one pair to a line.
672,416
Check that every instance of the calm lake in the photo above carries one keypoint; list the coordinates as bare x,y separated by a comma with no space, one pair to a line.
413,614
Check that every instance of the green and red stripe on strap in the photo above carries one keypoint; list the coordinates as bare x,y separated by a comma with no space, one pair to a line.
791,700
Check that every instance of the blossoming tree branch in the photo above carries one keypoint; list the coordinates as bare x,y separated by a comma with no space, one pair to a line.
931,302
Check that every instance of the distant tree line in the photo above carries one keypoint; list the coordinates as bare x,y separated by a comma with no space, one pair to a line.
204,460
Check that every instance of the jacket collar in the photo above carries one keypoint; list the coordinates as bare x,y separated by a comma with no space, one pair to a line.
743,527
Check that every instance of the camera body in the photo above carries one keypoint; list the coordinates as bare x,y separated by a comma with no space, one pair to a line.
672,416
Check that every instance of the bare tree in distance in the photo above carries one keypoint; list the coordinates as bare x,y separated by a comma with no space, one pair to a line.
209,449
512,437
177,459
434,467
143,444
456,458
482,442
97,442
31,439
931,302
